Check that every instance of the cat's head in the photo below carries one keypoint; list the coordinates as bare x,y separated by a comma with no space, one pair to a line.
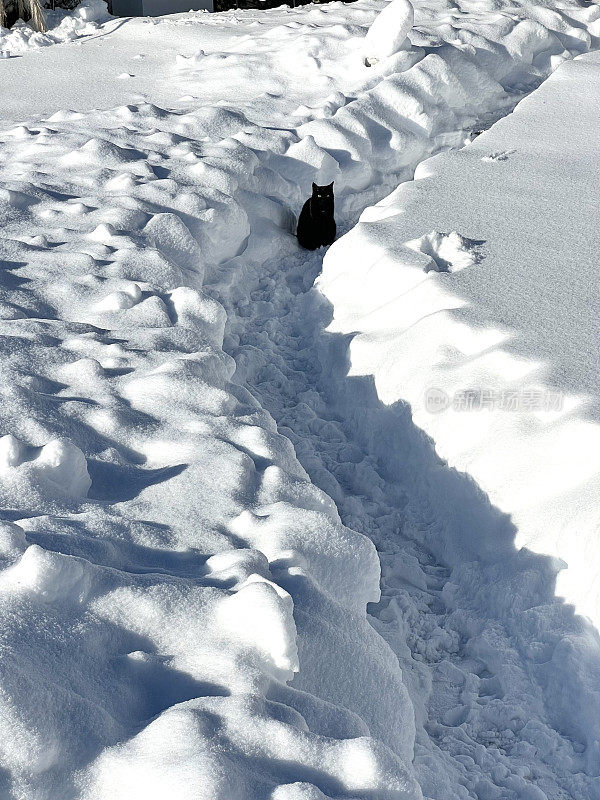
323,196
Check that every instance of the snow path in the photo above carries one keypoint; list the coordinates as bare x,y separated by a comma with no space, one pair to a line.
488,724
217,646
482,720
485,720
521,314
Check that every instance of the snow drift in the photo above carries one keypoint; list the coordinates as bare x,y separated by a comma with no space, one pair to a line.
62,26
387,34
479,330
150,615
480,325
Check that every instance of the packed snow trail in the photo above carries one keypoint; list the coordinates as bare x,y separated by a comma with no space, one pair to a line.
506,307
183,614
491,671
484,727
490,720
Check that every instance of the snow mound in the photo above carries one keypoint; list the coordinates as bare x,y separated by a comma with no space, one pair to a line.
171,578
63,26
58,465
388,32
169,234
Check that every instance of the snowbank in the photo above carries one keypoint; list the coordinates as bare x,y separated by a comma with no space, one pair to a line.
469,295
63,26
180,578
165,594
500,311
387,34
168,567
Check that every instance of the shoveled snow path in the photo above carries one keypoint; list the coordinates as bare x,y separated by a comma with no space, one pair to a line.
484,722
457,664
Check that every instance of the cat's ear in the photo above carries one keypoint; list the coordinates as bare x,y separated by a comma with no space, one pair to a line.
331,185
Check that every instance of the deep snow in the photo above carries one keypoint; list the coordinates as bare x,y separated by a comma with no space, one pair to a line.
477,281
487,335
183,613
62,26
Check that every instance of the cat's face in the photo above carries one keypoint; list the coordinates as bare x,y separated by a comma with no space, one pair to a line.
323,197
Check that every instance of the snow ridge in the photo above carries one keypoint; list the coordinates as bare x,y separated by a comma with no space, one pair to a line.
156,589
480,333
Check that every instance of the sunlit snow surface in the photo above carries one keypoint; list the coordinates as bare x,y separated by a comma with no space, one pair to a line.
62,27
491,334
183,615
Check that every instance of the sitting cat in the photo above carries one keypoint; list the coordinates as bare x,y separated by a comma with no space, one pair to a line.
316,226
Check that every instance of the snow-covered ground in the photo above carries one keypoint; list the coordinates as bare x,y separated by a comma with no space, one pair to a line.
85,20
183,603
470,294
473,292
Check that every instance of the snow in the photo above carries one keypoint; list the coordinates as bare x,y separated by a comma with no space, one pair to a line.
503,309
197,511
387,34
485,327
62,27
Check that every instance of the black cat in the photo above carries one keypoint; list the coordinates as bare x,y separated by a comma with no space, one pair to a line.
316,226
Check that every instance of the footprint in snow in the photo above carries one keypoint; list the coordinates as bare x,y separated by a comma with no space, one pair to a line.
502,155
447,252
